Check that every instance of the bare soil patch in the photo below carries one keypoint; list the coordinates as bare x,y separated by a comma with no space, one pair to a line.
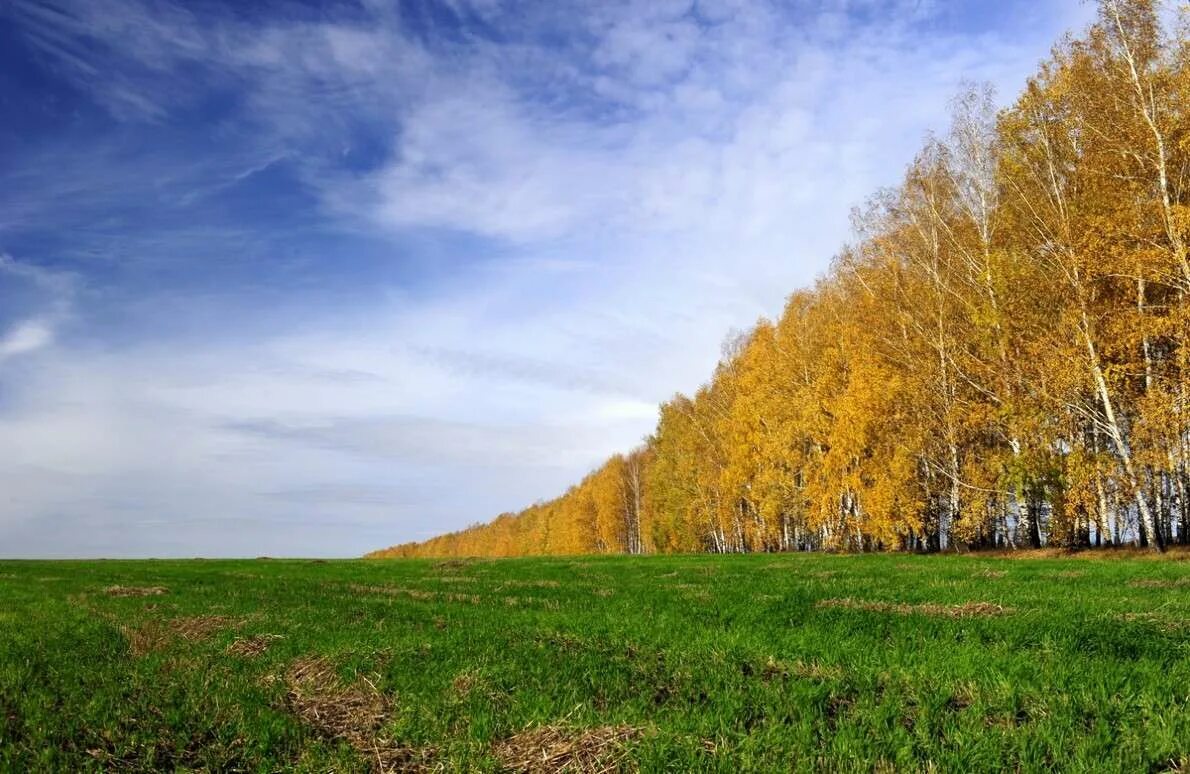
556,749
965,610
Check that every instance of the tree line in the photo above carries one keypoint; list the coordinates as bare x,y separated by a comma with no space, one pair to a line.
998,359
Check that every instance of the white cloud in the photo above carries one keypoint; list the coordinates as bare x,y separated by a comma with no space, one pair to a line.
41,299
26,336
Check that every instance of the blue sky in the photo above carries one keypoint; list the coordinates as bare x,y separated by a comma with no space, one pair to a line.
310,279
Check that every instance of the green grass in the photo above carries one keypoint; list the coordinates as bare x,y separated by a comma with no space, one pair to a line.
725,663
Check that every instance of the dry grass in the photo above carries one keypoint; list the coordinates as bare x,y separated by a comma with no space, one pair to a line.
419,594
147,638
1177,765
986,573
135,591
453,564
1165,623
557,749
1177,553
353,713
781,670
1156,583
156,635
464,683
538,584
249,647
200,627
965,610
816,671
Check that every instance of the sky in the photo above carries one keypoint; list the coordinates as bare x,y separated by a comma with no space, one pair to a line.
311,279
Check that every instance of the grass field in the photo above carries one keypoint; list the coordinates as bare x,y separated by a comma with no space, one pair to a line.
751,663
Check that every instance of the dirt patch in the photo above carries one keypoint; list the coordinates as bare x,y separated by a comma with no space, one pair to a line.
556,749
135,591
1156,583
353,713
250,647
965,610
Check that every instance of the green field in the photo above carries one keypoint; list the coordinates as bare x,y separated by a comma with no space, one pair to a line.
750,663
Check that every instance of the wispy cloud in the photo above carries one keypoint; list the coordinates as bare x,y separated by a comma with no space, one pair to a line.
36,301
25,336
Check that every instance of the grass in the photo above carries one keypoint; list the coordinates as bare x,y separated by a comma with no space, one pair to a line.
750,663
